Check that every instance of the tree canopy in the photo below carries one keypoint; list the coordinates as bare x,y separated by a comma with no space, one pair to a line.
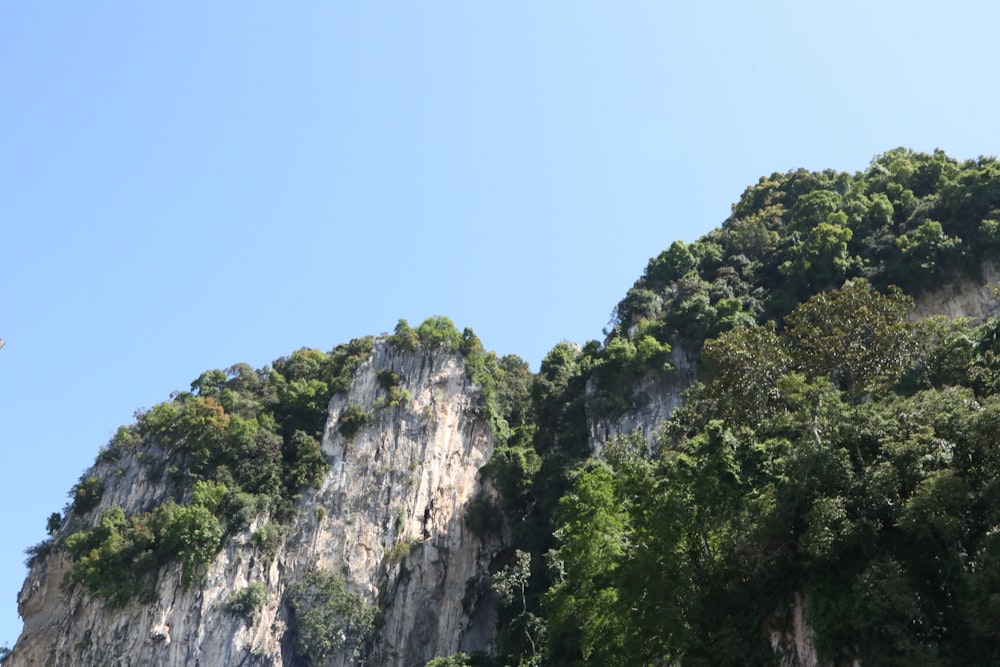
834,454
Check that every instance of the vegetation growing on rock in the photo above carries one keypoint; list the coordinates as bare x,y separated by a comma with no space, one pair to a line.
833,451
326,617
241,444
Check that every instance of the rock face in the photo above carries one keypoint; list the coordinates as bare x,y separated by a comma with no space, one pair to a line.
963,297
653,400
655,397
388,517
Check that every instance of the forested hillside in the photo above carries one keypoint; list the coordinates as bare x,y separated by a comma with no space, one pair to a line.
836,462
835,457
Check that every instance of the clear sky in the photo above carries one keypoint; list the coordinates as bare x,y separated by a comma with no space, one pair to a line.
184,186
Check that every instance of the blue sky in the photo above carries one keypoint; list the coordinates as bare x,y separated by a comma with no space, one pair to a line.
184,186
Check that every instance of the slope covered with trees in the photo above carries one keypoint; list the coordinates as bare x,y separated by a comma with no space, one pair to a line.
834,456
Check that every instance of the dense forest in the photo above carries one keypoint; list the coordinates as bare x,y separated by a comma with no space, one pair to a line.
835,454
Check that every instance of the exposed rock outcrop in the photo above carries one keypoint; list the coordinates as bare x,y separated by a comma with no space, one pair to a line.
978,298
656,396
652,401
388,517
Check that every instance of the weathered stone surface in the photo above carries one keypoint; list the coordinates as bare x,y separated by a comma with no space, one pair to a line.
655,397
963,297
389,517
652,401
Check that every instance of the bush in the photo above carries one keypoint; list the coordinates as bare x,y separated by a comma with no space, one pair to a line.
344,361
326,617
308,464
53,523
396,396
352,419
405,338
86,494
268,538
113,558
38,551
398,551
482,516
457,660
388,379
193,535
247,601
439,331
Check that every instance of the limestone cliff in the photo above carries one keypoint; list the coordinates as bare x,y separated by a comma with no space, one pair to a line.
651,402
963,296
656,396
388,517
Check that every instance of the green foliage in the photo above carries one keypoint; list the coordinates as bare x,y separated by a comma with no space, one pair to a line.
191,534
512,469
388,379
38,552
911,219
398,551
404,337
477,659
115,558
86,495
858,338
353,419
482,516
305,402
821,260
53,523
326,617
833,450
457,660
945,353
210,495
582,602
618,367
673,263
925,251
439,331
202,427
305,464
268,538
247,601
854,335
744,365
512,584
532,471
343,362
390,382
877,504
505,383
242,443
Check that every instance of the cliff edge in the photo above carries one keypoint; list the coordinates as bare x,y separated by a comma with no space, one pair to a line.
387,519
